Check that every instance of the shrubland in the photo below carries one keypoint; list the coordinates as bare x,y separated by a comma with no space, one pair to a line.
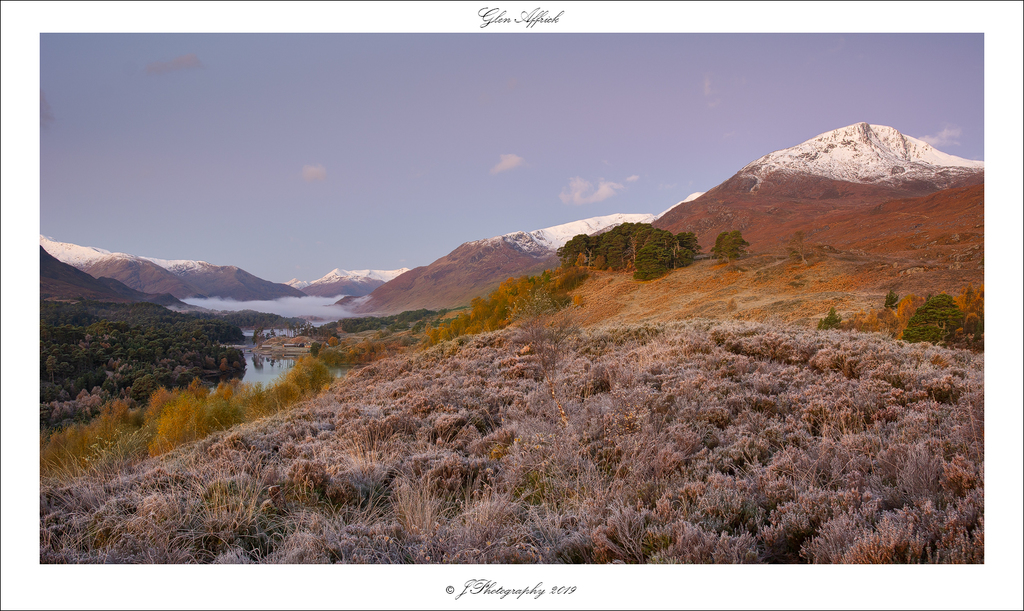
688,442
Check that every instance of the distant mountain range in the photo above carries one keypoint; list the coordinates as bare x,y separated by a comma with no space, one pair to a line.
58,280
340,282
181,278
854,177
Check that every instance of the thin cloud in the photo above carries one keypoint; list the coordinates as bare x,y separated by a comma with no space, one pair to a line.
581,191
184,62
948,136
633,178
313,172
710,91
45,112
507,163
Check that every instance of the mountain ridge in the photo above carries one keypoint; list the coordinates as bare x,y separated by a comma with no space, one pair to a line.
180,277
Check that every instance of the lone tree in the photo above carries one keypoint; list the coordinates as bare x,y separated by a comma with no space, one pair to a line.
892,300
935,321
831,321
730,245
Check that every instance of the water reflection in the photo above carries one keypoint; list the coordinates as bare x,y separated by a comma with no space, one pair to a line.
266,369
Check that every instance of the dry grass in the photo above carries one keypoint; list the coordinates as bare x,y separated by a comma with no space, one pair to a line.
689,442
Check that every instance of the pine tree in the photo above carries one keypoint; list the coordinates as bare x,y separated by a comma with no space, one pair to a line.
892,300
935,321
730,245
831,321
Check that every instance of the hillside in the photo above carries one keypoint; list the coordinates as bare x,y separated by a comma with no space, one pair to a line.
764,288
61,281
476,268
842,172
686,443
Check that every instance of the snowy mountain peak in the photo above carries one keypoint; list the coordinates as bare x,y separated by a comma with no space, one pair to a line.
338,274
863,153
359,275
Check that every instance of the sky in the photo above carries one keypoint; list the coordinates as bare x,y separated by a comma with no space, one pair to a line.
290,155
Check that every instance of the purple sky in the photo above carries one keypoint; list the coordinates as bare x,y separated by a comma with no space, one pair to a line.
290,155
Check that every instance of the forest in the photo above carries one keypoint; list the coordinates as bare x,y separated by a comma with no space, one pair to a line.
90,353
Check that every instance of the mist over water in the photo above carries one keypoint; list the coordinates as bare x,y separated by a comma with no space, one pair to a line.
304,307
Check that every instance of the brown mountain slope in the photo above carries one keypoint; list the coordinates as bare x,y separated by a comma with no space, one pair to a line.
58,280
769,221
235,283
143,276
474,269
855,255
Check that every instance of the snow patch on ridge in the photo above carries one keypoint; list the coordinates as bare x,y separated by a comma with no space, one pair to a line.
544,242
73,254
83,257
689,198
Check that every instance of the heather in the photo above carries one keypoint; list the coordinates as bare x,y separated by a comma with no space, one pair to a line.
690,442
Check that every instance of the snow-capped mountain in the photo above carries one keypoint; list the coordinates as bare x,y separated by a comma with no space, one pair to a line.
346,282
863,153
180,277
799,187
83,257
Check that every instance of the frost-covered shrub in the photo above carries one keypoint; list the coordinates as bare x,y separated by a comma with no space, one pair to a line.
690,442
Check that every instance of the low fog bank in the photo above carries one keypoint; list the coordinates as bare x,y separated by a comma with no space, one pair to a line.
300,307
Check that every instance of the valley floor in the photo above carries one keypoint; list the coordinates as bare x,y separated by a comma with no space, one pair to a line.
697,441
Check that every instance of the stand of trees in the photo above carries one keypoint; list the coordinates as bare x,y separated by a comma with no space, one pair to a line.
117,359
940,319
85,313
649,252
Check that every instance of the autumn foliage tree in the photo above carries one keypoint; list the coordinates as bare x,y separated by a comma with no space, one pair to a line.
905,311
972,305
512,300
